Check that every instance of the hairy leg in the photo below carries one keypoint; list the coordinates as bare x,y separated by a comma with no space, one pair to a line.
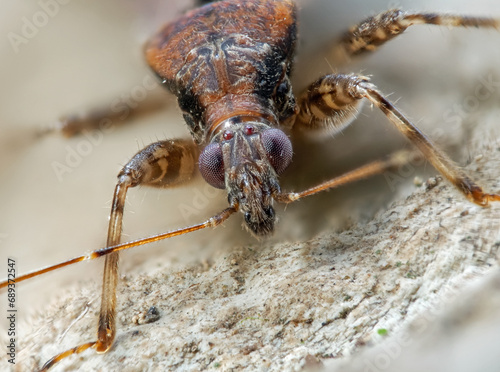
331,102
162,164
375,31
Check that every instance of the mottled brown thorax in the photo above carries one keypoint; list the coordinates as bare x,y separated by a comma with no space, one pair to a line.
227,59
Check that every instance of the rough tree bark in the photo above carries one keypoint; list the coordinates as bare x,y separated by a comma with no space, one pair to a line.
404,281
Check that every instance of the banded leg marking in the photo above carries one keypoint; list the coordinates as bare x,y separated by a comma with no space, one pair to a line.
161,164
368,35
335,95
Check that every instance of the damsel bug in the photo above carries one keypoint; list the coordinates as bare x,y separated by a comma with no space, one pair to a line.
247,74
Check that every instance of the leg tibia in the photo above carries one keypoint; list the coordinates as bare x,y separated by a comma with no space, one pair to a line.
105,118
434,155
162,164
338,95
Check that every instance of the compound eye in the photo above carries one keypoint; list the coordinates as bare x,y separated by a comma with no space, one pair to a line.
278,148
211,165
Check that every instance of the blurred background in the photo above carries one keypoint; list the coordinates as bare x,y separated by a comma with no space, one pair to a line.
61,59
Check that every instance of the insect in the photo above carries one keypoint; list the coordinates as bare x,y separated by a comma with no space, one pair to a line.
235,92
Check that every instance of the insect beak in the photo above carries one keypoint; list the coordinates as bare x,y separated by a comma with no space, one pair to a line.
251,182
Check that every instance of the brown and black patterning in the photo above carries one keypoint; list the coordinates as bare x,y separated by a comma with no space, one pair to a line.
229,63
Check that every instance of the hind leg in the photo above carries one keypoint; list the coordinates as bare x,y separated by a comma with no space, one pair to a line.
375,31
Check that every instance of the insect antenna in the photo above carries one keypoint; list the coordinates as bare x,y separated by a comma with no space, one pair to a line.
211,222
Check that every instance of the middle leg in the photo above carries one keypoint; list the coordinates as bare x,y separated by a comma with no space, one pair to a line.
332,101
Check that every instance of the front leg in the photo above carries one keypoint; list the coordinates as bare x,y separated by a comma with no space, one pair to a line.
332,102
162,164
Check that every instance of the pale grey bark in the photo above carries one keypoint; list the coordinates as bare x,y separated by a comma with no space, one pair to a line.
385,255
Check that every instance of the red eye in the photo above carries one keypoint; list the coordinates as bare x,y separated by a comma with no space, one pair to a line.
227,135
249,130
211,165
278,148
